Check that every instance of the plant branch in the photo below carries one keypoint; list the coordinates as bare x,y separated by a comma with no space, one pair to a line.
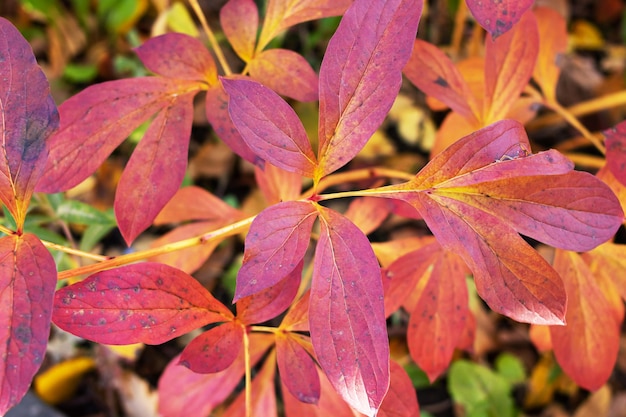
357,175
573,121
212,40
581,109
248,378
215,235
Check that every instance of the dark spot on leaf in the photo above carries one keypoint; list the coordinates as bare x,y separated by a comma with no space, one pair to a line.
23,334
442,82
159,281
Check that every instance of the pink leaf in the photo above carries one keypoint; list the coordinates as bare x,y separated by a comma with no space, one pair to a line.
361,74
176,55
298,371
217,115
27,282
28,116
203,392
269,126
275,245
430,70
510,275
329,404
401,400
263,398
346,314
498,16
272,301
240,22
156,168
285,72
146,302
96,120
214,350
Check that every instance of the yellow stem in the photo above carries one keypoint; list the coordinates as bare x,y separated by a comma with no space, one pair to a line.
264,329
6,230
588,161
586,107
357,175
573,121
248,378
76,252
459,29
109,263
212,40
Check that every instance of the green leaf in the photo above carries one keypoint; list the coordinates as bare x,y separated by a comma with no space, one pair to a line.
82,213
93,234
511,368
480,391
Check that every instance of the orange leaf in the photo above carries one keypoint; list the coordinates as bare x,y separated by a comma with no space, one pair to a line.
282,14
509,63
285,72
240,22
441,312
552,45
586,348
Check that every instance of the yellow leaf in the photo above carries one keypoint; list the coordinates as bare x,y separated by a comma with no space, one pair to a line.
60,382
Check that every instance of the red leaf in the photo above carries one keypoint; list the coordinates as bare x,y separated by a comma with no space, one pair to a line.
298,371
269,126
587,347
401,277
572,211
616,151
202,392
430,70
146,302
552,47
272,301
240,22
214,350
96,120
285,72
401,400
28,279
263,401
282,14
275,245
361,75
441,313
509,63
28,116
217,115
346,314
160,158
498,16
179,56
510,275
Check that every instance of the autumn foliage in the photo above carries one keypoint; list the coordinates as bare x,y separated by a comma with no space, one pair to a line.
305,261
